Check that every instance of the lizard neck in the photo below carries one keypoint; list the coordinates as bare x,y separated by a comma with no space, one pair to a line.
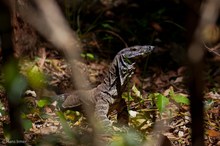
117,77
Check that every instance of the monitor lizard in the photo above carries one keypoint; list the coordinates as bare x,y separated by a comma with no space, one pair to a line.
108,94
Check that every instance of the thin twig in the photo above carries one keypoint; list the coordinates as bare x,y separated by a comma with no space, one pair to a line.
43,56
114,34
213,49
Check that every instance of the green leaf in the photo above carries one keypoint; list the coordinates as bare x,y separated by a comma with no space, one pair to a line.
44,116
88,56
6,131
35,77
171,93
162,102
17,87
180,99
107,26
10,71
108,37
27,124
72,115
208,103
127,96
41,103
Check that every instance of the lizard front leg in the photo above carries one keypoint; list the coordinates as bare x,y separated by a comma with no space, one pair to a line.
122,110
101,111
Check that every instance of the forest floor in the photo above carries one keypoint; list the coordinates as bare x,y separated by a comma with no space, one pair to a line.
157,95
152,99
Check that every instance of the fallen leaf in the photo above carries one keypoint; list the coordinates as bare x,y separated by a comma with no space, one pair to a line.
181,70
48,110
213,133
178,80
132,113
214,111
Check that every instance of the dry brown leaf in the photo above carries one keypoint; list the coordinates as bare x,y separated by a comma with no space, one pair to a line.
181,71
48,130
158,81
136,81
213,133
214,111
42,54
185,107
171,74
167,91
179,79
48,110
156,26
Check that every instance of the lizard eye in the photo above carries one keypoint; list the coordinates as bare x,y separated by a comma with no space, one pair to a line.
133,49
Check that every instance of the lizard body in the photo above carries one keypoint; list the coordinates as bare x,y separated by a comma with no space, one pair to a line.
110,90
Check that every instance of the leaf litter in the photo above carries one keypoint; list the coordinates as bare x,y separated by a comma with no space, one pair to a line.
157,99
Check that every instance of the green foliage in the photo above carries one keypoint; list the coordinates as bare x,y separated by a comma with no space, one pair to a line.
10,72
107,26
208,103
161,102
72,115
43,102
27,124
89,56
108,37
35,77
18,85
65,125
129,139
15,83
136,94
6,131
127,96
178,97
44,115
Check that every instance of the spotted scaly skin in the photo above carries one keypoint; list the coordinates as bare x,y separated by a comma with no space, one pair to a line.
109,92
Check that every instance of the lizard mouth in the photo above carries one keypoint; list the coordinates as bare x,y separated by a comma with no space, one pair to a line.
151,48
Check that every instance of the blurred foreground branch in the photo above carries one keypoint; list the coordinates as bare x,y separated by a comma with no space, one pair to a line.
13,82
46,18
209,14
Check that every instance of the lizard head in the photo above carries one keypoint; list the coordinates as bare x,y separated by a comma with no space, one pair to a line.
136,52
126,59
